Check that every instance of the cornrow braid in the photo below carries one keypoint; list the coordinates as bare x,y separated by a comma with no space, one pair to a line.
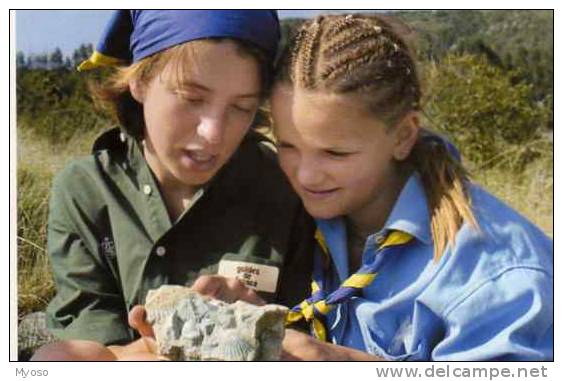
346,41
340,25
347,62
307,55
290,60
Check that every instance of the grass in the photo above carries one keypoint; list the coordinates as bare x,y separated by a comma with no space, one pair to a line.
529,190
37,162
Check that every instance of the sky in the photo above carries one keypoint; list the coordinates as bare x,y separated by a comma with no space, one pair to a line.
42,31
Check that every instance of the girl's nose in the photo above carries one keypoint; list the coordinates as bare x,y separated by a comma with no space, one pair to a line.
309,173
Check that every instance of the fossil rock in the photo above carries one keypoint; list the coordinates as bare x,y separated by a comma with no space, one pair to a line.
189,326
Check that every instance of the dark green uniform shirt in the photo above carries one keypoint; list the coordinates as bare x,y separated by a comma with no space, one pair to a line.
111,239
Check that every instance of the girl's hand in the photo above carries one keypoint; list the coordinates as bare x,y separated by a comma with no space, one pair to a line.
298,346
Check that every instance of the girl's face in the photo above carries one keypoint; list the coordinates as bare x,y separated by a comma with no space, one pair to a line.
337,156
193,128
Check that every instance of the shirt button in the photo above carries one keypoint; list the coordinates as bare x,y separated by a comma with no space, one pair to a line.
147,189
160,251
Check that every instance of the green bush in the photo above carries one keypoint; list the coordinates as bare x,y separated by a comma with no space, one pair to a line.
482,110
55,104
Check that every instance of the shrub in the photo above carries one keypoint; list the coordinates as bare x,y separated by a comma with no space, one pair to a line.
480,108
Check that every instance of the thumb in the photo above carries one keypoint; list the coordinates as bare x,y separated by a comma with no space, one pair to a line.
137,321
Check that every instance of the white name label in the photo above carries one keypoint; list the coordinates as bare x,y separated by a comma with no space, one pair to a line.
254,276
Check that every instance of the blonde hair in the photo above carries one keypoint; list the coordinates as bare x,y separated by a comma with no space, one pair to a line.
113,96
363,55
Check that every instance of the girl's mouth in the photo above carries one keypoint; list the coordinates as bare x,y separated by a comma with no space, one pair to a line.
319,194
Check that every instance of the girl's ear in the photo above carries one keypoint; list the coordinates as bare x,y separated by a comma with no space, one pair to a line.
137,90
406,134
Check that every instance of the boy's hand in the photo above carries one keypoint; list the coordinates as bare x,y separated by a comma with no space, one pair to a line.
226,289
215,286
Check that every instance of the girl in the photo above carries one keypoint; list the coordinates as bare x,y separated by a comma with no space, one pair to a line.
416,262
184,187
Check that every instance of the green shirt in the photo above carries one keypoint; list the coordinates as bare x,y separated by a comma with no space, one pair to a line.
111,239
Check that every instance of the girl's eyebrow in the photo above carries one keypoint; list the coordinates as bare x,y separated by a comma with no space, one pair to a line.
201,87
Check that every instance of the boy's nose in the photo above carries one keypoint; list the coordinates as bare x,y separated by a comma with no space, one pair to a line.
211,130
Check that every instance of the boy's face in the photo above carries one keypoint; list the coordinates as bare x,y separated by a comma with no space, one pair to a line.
193,128
337,156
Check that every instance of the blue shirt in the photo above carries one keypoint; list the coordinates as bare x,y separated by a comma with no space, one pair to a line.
489,297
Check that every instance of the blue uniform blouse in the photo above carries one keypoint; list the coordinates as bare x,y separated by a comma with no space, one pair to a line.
489,297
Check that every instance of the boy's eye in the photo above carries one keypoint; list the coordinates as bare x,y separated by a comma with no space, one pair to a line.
338,153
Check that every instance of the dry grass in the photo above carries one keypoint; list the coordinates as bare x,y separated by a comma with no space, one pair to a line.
37,162
529,191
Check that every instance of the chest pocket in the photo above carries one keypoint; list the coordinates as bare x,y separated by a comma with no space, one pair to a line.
388,333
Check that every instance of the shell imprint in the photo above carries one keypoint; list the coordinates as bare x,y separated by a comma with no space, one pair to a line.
189,326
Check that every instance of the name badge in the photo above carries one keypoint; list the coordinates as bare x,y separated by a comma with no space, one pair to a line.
254,276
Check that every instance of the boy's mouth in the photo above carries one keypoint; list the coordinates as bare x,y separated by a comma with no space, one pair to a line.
199,160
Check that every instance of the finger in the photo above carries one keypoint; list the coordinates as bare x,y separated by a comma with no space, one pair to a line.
137,321
209,285
150,344
237,290
252,297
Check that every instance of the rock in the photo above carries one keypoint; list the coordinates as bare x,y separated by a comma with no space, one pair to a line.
189,326
32,333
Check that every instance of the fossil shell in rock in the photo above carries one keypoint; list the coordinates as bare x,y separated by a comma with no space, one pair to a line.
189,326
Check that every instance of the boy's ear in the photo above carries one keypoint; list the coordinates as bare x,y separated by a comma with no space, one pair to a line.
137,90
406,134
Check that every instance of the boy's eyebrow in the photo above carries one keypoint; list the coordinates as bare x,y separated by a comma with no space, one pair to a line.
207,89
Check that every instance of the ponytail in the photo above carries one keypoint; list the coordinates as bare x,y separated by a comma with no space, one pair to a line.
445,184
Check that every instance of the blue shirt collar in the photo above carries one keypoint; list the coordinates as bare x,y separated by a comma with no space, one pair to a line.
409,214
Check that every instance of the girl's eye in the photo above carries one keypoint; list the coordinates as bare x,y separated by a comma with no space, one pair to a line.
243,109
280,145
194,101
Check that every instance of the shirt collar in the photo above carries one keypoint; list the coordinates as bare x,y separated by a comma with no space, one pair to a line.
409,214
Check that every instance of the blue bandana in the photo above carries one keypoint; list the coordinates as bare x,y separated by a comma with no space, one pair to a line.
132,35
